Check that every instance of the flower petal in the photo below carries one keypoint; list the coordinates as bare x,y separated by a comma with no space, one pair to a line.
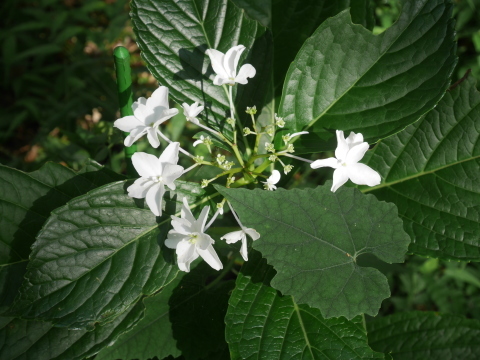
197,142
170,154
244,249
230,61
342,146
162,114
210,257
199,225
354,139
330,162
142,112
181,226
146,164
139,188
216,58
340,177
185,213
220,80
153,138
246,71
252,233
158,98
274,178
356,153
170,174
233,237
186,253
173,238
204,241
362,174
127,123
154,198
134,135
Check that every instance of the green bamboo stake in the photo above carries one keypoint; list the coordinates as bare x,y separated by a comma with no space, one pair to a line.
125,97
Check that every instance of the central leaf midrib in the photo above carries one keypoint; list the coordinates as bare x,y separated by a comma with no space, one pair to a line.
311,123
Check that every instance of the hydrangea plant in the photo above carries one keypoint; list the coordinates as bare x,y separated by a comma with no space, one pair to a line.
144,267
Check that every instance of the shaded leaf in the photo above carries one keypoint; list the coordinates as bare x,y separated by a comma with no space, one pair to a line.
431,171
425,335
346,78
26,339
98,255
26,200
262,324
313,237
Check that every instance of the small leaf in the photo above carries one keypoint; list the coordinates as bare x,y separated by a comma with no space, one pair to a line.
27,339
431,171
262,324
97,255
425,335
313,237
346,78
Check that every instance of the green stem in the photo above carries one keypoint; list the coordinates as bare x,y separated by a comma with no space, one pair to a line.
125,98
224,273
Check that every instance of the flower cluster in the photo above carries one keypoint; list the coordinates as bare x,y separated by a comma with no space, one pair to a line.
189,235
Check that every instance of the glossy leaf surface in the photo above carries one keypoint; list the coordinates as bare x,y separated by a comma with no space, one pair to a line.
262,324
431,171
346,78
97,255
425,335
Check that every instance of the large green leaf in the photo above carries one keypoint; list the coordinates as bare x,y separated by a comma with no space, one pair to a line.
26,200
431,171
97,255
173,36
425,335
346,78
186,318
313,237
261,324
27,339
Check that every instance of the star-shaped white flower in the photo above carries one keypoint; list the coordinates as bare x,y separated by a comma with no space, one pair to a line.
189,239
272,180
155,174
234,236
191,111
147,116
348,153
225,66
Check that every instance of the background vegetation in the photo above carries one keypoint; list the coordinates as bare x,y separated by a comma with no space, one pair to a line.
59,102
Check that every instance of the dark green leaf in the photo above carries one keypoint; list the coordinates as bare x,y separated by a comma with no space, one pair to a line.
173,36
186,318
38,340
262,324
97,255
313,237
26,200
346,78
431,171
425,335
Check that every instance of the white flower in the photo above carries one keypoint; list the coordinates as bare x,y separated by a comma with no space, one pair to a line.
191,111
347,155
189,239
288,137
147,116
155,174
234,236
272,180
225,66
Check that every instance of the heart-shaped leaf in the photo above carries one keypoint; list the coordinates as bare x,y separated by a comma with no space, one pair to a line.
313,237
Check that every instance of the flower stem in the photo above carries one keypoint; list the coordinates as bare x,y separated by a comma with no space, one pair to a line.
170,141
295,157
